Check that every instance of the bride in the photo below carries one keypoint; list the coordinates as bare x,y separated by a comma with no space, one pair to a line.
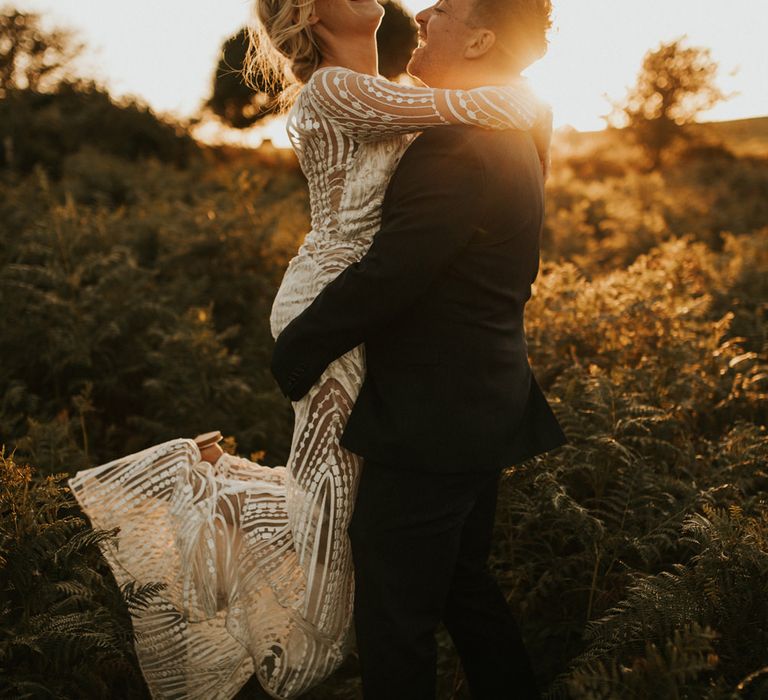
255,561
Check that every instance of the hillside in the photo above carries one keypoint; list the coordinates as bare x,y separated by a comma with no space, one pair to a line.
137,290
744,137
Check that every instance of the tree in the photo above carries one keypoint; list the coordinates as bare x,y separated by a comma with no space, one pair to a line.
236,104
44,128
397,40
674,86
30,57
239,106
48,113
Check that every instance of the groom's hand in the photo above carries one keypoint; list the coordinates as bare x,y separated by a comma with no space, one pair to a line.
294,365
285,373
284,376
542,137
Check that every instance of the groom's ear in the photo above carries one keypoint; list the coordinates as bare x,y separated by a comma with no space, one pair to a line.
480,43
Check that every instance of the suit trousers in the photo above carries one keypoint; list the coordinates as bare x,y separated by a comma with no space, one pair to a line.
420,546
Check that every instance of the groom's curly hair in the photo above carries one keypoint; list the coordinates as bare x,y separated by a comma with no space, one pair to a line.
520,25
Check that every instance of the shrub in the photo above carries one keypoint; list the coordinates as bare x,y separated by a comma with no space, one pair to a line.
138,296
44,128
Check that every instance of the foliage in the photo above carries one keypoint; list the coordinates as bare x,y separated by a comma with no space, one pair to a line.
396,39
240,106
664,405
602,212
65,630
666,671
675,85
46,113
716,588
137,297
30,57
44,128
234,102
199,274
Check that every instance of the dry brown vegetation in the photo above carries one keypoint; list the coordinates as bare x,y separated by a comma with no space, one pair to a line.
136,295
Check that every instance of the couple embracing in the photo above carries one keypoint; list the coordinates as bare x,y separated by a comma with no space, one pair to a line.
400,340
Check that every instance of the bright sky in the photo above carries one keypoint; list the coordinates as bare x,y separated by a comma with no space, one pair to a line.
165,52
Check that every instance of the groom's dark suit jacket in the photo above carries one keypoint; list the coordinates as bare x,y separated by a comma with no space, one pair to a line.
438,301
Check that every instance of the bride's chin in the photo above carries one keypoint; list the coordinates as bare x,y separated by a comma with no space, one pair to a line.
371,8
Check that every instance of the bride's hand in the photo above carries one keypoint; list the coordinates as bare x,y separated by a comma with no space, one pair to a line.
516,106
513,106
542,137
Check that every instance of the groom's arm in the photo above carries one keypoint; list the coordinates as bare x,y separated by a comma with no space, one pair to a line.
433,208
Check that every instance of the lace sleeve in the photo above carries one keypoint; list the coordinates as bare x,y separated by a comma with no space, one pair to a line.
369,108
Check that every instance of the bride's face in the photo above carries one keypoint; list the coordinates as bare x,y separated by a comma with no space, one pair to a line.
347,18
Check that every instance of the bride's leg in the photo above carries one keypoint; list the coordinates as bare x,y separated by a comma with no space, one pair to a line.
321,486
321,483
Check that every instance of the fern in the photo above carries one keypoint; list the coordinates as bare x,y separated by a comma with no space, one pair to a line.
703,592
669,670
139,597
620,553
63,616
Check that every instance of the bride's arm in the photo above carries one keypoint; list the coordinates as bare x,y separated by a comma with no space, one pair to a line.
369,108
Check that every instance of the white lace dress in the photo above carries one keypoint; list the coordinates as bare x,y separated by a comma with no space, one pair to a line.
256,560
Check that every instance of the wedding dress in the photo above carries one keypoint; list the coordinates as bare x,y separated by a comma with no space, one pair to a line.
256,560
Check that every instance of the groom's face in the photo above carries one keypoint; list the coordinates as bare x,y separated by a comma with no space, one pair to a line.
445,29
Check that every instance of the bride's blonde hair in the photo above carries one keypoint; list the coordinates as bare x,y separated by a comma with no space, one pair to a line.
282,50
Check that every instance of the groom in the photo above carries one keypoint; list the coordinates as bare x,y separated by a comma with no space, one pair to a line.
449,399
